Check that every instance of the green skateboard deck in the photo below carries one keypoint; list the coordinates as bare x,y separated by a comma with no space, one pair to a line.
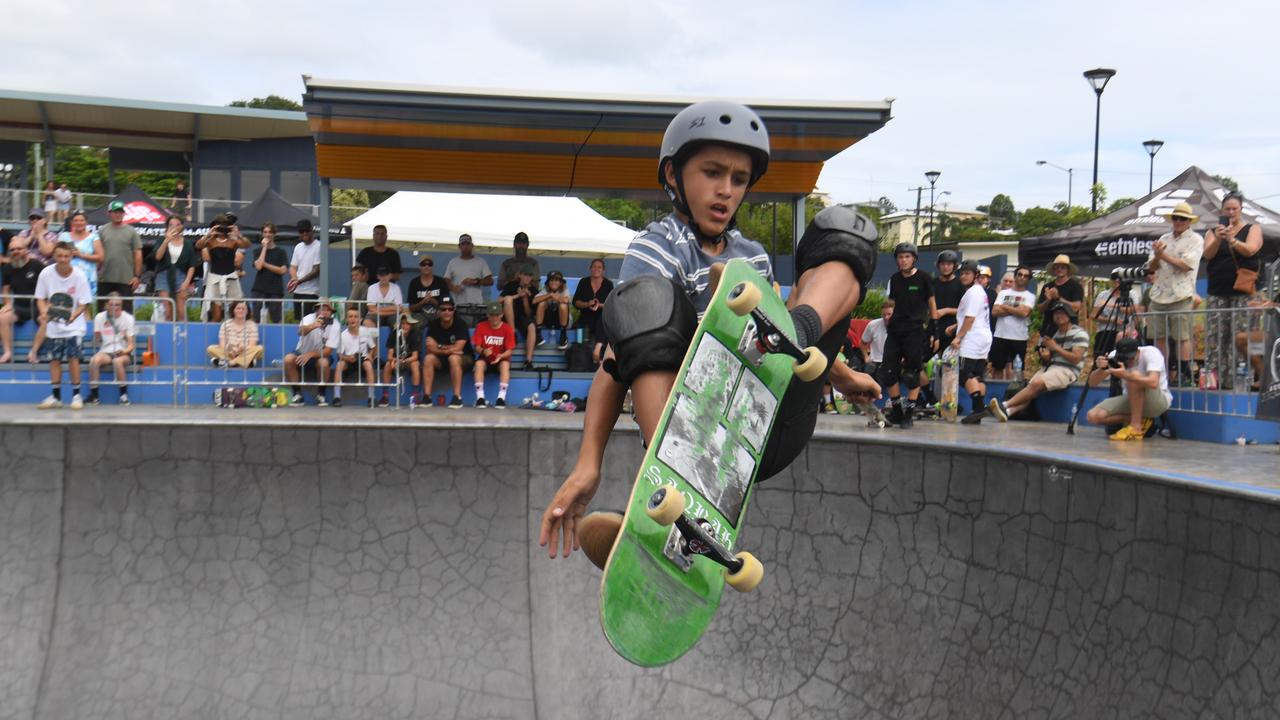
657,595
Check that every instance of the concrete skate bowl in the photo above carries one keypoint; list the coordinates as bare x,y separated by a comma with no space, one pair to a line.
272,572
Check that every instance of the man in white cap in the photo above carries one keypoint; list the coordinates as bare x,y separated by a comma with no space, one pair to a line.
1175,257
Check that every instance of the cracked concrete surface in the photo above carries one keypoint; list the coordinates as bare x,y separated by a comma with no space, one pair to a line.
308,572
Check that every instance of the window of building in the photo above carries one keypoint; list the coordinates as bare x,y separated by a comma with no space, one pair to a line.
253,182
295,186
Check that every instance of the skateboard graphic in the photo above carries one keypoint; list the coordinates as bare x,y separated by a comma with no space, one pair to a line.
675,551
947,399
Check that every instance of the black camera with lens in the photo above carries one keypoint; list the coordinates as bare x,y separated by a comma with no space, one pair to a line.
1129,274
223,222
1115,363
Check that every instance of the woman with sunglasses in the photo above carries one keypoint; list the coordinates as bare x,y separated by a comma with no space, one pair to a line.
1227,247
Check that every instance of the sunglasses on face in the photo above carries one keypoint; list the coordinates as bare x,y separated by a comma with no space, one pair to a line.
446,309
425,263
1023,275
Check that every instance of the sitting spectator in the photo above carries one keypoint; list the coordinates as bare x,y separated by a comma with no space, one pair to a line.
181,201
354,356
176,261
271,264
1012,311
223,248
113,329
19,278
873,337
86,249
517,309
63,196
1061,358
317,339
380,256
1251,344
589,297
359,283
384,298
512,266
494,341
402,356
425,291
1145,395
448,345
40,239
237,339
62,294
551,308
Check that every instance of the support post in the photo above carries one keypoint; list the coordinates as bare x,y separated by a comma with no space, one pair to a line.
324,237
797,229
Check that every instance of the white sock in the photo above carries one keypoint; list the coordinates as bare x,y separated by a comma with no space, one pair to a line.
502,391
479,391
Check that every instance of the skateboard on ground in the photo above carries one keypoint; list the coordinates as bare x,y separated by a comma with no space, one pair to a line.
675,551
875,417
947,399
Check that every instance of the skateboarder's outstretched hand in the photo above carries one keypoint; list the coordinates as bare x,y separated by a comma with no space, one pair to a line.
560,521
853,384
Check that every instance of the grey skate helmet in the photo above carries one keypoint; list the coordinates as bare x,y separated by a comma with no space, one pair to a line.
948,256
905,247
711,121
967,265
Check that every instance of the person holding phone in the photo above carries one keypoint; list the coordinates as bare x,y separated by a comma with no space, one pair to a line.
1229,246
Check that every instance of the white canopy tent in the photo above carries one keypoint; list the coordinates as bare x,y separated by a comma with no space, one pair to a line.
555,225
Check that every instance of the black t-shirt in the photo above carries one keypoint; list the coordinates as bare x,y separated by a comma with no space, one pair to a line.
583,293
911,297
372,259
991,302
267,282
22,281
418,291
1221,269
513,287
1070,290
404,345
947,294
446,336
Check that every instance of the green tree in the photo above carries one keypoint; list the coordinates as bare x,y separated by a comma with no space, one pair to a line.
1001,211
1228,183
1040,221
270,102
347,204
1100,192
632,213
970,230
1119,204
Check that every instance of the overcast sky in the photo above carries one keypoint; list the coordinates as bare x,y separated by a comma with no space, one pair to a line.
983,88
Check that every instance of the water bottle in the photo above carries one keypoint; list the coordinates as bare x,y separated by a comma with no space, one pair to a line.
1017,367
1242,377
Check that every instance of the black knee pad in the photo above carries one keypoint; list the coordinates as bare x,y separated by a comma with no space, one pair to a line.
839,233
650,323
910,378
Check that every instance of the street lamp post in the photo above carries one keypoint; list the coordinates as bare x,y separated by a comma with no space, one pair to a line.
1069,171
1152,147
932,176
1098,79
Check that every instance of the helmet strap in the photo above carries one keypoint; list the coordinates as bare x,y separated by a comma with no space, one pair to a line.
677,195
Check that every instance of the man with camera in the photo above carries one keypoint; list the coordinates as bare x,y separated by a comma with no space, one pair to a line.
317,343
1144,378
1175,258
1061,360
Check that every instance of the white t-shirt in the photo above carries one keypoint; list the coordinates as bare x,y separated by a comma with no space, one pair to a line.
976,342
873,336
1148,359
1012,327
458,270
392,296
326,337
305,258
115,332
349,344
1111,309
77,286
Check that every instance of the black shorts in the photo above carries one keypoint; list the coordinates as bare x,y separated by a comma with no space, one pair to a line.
22,313
904,351
972,368
1003,351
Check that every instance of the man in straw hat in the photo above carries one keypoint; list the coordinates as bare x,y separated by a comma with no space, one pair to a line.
1062,288
1175,257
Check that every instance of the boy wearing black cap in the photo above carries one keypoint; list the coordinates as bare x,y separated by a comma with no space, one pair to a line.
304,269
1061,358
1144,376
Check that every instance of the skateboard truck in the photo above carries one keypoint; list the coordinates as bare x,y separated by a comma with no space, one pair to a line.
762,336
690,538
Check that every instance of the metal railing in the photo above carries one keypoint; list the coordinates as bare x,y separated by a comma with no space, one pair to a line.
145,366
16,204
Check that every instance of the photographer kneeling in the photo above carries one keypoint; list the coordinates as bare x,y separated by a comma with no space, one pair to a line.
1146,396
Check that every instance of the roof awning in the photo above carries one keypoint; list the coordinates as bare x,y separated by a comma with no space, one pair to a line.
384,136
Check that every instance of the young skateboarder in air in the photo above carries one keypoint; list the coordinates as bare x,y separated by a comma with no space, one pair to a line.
712,153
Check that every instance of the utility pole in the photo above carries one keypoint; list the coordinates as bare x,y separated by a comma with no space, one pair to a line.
915,232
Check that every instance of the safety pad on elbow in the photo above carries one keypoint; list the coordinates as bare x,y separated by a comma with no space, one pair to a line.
649,321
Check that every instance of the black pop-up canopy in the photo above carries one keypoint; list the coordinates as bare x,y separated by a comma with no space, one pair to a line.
270,207
1123,238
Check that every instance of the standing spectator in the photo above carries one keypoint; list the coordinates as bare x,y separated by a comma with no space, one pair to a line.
42,239
1110,314
271,264
63,196
912,293
973,340
222,247
589,297
1006,282
512,265
402,356
551,308
1063,287
448,345
380,256
304,269
19,277
1145,389
62,294
113,329
984,279
1175,257
1228,248
425,291
355,361
468,274
384,298
238,344
517,309
494,341
122,264
947,292
317,341
1061,360
359,284
50,201
176,260
86,253
180,203
1012,312
873,337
